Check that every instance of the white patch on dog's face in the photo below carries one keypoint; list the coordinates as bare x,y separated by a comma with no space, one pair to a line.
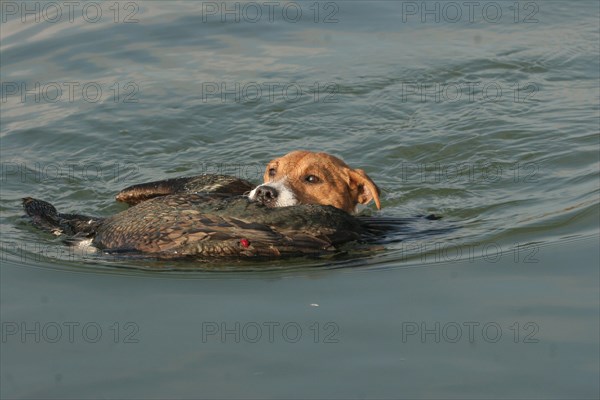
285,196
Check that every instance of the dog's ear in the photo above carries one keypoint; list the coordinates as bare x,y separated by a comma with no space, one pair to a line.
366,189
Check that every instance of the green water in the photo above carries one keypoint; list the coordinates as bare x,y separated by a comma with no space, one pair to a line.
493,124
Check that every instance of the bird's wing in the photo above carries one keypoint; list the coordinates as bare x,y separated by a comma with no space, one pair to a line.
209,183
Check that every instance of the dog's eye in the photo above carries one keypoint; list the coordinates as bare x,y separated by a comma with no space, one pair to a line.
272,172
312,179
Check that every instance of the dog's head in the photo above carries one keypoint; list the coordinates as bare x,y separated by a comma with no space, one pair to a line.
305,177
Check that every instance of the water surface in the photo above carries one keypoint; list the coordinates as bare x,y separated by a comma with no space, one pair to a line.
489,121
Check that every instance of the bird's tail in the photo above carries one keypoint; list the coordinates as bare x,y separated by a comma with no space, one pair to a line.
45,216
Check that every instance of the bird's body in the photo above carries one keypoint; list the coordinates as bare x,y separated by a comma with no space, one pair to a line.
181,222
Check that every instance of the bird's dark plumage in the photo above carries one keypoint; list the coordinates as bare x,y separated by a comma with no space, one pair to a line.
176,218
208,183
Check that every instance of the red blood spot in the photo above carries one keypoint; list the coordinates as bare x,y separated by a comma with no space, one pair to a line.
244,242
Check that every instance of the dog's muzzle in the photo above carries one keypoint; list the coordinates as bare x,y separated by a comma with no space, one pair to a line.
273,194
266,195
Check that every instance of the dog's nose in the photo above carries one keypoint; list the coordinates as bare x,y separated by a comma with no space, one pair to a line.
266,195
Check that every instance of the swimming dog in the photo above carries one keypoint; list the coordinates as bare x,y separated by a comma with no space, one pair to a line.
305,177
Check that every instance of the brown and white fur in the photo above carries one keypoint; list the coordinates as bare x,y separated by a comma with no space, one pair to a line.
305,177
